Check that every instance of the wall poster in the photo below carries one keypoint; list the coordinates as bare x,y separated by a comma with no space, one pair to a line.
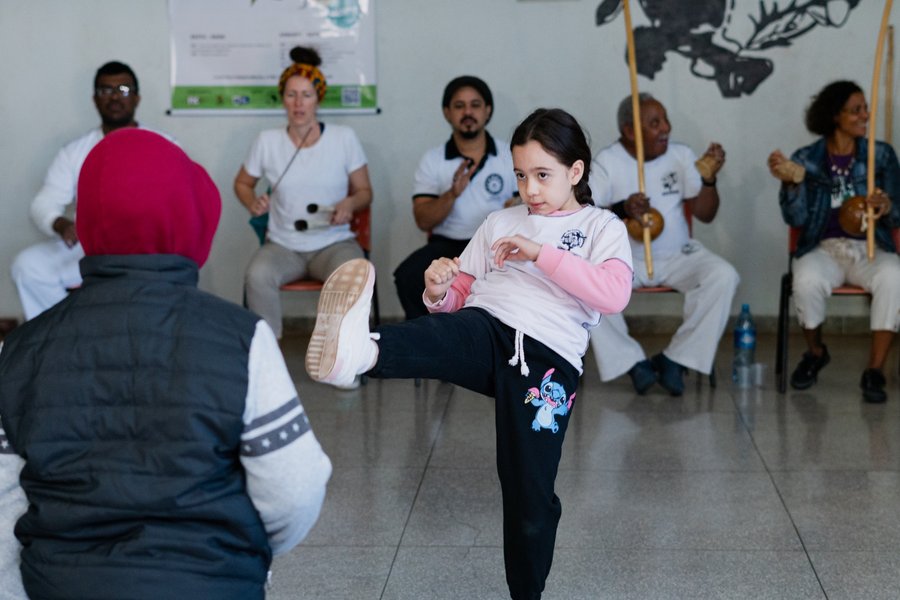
227,55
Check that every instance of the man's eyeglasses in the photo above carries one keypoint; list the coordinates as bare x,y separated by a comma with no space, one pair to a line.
106,90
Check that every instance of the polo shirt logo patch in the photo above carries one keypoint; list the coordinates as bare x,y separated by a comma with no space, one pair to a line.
572,239
493,184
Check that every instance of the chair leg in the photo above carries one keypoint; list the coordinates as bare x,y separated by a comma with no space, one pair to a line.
781,347
712,377
376,312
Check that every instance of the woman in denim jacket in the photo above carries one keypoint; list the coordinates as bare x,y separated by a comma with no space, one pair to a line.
827,256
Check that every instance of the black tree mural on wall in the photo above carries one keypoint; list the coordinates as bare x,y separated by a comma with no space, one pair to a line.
722,38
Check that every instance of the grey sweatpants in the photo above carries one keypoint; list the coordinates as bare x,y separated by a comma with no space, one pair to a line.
274,265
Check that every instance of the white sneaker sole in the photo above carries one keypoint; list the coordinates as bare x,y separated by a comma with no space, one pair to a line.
349,286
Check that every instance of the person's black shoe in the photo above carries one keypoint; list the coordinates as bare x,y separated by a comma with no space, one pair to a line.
807,371
642,376
671,374
872,384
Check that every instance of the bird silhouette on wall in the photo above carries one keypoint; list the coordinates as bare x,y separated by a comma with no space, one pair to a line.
722,38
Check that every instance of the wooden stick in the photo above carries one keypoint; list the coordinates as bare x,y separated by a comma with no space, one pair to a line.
638,133
873,117
889,88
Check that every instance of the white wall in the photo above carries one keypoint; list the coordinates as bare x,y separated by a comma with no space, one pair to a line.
536,53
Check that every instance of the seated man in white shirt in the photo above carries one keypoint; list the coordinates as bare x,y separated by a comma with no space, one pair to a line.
707,281
457,185
43,272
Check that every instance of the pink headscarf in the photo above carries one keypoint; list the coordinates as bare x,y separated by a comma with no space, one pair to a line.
139,193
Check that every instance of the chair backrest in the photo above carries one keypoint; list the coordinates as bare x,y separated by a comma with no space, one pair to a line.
793,239
361,225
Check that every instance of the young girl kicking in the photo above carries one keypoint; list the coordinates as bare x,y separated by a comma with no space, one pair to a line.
510,319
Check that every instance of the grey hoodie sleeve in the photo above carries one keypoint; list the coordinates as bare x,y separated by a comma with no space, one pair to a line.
13,505
286,468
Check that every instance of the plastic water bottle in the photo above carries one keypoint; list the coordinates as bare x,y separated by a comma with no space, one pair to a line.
744,347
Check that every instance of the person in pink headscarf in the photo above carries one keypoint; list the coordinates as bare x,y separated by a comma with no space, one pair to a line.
152,443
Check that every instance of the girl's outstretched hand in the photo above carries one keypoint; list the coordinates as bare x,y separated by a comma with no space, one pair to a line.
514,248
439,277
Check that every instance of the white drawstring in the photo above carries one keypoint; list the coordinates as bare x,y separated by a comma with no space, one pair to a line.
520,354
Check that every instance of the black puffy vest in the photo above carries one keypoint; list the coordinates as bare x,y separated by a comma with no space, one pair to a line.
126,401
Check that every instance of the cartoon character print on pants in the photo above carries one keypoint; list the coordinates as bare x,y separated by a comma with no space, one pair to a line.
551,401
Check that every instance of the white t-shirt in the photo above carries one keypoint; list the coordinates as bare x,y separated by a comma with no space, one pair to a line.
520,295
488,189
61,183
668,179
319,175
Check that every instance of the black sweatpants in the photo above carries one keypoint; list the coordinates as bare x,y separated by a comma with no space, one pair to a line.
472,349
409,276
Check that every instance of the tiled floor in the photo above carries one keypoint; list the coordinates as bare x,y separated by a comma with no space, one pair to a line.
722,493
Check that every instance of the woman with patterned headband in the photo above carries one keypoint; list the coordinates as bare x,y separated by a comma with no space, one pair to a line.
317,176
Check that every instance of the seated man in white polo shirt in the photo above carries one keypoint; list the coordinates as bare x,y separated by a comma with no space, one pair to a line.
457,185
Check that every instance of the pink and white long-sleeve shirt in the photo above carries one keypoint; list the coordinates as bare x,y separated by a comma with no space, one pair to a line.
583,270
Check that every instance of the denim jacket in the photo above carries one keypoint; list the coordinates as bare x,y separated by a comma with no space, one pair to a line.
807,205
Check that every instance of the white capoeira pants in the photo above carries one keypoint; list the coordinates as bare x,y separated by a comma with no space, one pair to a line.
708,283
43,273
836,261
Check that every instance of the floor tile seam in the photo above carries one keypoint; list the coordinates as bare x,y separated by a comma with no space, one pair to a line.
799,413
415,497
340,467
638,470
362,413
878,551
376,465
674,549
813,548
602,470
407,546
561,469
841,470
750,432
652,411
643,548
320,545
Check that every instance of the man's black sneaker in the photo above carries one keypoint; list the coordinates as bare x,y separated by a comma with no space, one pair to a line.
872,384
642,376
806,372
671,374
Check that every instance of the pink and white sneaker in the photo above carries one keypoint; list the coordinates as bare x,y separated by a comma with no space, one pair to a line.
341,346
